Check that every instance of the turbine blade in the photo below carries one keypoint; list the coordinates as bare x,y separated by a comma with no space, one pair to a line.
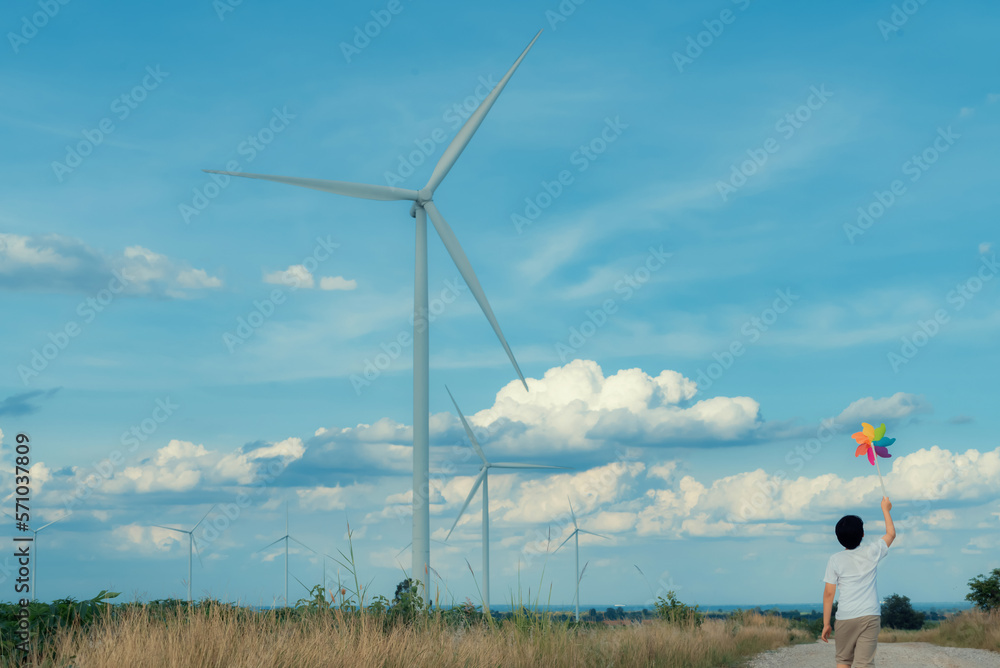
508,465
594,534
50,523
203,518
301,582
573,514
565,541
194,544
359,190
269,545
461,140
304,545
468,429
465,268
398,553
160,526
468,500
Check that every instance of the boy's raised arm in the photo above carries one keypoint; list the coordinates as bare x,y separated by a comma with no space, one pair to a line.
890,528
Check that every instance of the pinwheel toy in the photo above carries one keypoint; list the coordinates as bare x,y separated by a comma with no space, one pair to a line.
872,441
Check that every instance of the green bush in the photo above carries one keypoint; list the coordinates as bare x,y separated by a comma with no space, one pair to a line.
898,613
985,593
673,611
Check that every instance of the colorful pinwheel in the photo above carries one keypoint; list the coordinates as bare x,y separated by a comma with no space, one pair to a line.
872,441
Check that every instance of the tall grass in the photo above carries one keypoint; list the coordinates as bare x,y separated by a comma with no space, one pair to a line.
219,635
972,628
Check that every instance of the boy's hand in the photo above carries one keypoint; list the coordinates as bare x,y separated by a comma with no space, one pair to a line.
886,504
826,633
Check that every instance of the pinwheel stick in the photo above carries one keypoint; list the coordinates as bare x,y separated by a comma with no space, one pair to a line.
880,478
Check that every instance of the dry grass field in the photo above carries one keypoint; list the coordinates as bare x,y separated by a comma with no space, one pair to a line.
971,628
216,636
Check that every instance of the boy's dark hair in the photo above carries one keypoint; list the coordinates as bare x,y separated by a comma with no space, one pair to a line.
850,531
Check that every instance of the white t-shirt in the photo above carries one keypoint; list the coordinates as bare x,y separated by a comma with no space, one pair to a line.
853,571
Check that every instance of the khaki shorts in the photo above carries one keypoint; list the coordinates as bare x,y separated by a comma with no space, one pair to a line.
856,640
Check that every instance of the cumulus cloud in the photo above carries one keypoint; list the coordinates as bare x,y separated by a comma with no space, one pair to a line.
893,410
758,502
299,276
576,408
183,466
54,263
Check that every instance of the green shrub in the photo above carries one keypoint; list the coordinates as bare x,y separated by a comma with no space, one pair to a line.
898,613
673,611
985,593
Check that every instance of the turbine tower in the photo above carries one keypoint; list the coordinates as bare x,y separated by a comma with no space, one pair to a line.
484,479
191,545
576,534
287,538
35,532
423,207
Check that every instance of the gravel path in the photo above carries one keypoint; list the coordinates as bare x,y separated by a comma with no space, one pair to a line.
888,655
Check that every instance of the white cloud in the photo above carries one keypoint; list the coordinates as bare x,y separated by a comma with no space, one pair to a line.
576,408
64,264
337,283
298,276
985,247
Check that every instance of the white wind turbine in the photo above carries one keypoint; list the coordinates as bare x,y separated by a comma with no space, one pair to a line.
287,538
34,541
191,544
576,534
484,479
423,206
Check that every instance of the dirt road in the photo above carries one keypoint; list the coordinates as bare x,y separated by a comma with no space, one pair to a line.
889,655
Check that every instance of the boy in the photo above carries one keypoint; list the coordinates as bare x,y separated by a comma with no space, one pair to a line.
859,612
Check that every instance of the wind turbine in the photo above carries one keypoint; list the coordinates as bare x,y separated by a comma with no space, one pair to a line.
576,534
287,538
35,532
191,546
484,479
422,207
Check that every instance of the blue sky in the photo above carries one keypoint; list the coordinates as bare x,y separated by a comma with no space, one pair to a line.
774,216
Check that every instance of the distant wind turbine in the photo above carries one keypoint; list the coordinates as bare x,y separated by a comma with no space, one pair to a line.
35,532
576,534
422,207
287,538
484,479
191,544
